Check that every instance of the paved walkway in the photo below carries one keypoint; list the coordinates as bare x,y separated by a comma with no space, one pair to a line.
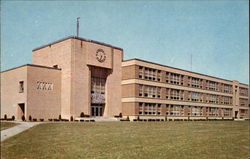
5,134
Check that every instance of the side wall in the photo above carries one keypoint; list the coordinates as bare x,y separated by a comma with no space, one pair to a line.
44,93
58,54
10,96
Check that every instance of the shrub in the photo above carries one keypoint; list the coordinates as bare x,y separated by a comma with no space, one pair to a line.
34,119
23,118
82,115
127,118
41,119
138,118
50,119
71,118
30,118
60,117
120,115
13,117
5,116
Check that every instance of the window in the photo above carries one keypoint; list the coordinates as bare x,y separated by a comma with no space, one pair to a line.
243,102
195,96
167,79
227,112
140,71
212,85
243,91
175,94
159,75
159,92
175,78
159,109
150,91
140,90
225,100
150,108
21,86
212,98
195,82
140,108
213,112
150,74
195,111
226,88
175,110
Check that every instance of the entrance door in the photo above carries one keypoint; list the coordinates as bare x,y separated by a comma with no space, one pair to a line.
236,114
20,111
97,109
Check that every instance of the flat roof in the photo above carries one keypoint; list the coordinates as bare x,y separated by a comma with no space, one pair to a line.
33,65
180,69
79,38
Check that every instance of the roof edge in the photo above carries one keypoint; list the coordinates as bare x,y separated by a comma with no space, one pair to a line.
181,69
33,65
78,38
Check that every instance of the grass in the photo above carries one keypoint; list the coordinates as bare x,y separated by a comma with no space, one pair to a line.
6,125
128,140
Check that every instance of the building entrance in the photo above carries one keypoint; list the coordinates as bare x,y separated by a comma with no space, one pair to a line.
98,82
20,111
97,110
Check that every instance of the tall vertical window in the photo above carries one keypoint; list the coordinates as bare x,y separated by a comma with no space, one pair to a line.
21,86
159,92
140,71
226,88
140,90
159,75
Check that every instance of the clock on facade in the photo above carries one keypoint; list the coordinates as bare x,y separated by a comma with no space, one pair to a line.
100,55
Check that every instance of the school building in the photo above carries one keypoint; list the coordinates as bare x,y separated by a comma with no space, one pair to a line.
76,75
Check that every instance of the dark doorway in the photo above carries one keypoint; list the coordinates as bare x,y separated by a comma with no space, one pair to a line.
97,109
20,111
236,114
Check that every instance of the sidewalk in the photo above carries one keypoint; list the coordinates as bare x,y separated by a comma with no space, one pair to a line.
5,134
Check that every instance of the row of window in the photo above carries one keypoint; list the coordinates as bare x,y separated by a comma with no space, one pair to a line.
181,110
178,79
243,102
176,94
40,85
98,85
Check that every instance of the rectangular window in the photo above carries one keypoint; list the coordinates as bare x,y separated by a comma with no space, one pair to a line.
159,75
195,82
159,92
175,78
195,96
140,72
21,86
175,94
167,79
150,91
140,90
226,88
212,85
195,111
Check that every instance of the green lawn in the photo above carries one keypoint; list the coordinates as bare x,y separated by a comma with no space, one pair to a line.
6,125
129,140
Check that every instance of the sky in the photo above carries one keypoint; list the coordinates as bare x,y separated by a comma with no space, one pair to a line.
214,33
